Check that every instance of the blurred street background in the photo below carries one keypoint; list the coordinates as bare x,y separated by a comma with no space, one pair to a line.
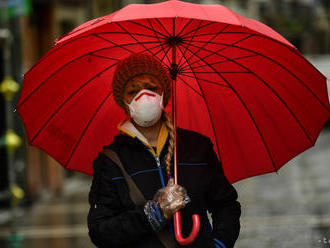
43,205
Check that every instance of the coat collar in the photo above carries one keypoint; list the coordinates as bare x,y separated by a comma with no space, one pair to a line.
126,127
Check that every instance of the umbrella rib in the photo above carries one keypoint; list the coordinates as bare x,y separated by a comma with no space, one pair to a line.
81,37
205,80
184,27
254,34
210,72
220,62
153,29
169,48
292,49
221,49
70,62
209,113
190,86
54,49
138,41
146,27
161,24
161,49
67,99
276,94
111,42
216,35
246,108
207,24
103,57
274,61
139,34
86,128
200,23
146,49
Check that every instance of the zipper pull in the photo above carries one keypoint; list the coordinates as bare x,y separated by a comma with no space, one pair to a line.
158,162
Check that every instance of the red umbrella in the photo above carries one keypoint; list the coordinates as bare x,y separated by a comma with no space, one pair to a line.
236,80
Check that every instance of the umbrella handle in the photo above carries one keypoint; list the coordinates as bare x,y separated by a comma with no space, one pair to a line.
178,230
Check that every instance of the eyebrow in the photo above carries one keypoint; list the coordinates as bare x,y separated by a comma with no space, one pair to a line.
134,84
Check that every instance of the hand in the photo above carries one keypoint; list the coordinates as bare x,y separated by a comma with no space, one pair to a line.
171,198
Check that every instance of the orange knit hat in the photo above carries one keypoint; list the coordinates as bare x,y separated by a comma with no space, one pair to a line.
135,65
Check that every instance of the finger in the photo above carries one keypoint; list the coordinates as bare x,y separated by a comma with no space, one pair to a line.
178,195
176,189
170,182
181,190
177,205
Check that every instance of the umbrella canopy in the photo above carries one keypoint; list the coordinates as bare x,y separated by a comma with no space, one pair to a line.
236,81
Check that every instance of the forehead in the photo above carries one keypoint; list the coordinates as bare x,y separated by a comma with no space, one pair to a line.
143,79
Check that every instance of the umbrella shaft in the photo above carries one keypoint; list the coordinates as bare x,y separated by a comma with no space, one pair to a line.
174,127
174,117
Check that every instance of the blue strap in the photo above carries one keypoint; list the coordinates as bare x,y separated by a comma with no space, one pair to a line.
217,246
153,214
222,245
159,214
136,173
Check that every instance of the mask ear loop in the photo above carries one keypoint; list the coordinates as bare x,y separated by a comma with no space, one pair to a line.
129,106
161,100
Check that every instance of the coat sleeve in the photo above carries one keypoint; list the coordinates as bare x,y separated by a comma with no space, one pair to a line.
109,223
225,210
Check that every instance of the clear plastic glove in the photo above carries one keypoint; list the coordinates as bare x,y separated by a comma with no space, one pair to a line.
171,198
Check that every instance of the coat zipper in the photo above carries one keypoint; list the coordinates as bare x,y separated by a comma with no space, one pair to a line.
160,170
157,162
171,227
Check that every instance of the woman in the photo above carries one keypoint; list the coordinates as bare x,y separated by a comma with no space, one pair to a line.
141,86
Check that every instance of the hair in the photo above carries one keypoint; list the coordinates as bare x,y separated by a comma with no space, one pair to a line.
168,157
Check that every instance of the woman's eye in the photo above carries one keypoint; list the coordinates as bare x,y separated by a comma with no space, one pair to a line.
131,92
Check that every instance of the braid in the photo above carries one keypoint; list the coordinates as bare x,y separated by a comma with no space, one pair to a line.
170,151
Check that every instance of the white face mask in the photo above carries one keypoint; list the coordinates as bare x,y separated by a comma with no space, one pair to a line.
146,108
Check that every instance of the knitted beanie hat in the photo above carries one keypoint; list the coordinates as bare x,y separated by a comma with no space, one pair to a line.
135,65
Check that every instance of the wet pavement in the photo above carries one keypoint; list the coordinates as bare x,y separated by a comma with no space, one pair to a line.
54,222
291,209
